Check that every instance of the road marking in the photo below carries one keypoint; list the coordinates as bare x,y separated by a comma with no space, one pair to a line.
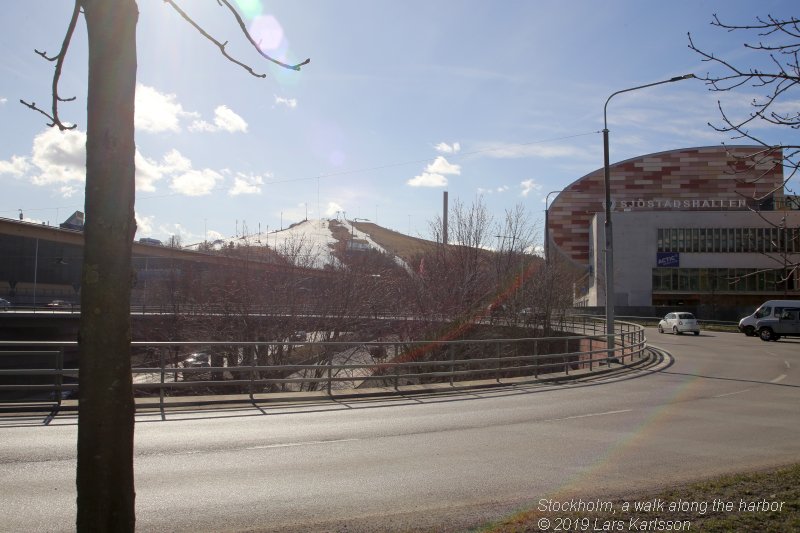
305,443
787,364
730,393
779,378
588,415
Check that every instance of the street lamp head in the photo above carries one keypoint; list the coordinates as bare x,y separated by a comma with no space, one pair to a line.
684,77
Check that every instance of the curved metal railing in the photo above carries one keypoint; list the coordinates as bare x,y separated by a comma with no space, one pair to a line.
262,368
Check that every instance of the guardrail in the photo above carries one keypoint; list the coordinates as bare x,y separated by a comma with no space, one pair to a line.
261,368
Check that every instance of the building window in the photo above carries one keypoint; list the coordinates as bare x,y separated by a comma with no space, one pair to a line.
729,240
710,280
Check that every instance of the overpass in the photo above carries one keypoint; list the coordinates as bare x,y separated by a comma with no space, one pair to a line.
39,263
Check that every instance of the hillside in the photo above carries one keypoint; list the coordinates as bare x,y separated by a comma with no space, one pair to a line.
398,244
317,242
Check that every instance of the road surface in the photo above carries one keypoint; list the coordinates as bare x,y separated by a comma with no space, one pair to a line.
724,403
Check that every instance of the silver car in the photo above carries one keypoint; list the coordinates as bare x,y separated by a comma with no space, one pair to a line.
679,323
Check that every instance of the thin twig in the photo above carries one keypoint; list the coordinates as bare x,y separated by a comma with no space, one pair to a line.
59,60
222,45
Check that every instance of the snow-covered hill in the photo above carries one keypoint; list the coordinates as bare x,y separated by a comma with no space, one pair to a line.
309,243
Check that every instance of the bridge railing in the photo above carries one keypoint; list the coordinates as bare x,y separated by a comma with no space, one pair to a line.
263,368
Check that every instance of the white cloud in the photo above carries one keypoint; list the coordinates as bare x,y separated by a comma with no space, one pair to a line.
16,167
158,112
427,179
3,100
59,157
501,150
291,103
144,225
332,208
440,165
434,174
68,190
227,120
58,161
528,186
445,148
149,171
244,184
501,189
196,182
224,120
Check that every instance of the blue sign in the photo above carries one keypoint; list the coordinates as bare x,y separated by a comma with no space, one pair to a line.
668,259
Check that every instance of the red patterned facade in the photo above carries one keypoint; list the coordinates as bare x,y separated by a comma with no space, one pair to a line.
715,178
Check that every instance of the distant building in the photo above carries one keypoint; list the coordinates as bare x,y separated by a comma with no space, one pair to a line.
74,222
687,231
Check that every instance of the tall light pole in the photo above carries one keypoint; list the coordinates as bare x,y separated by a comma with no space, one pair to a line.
547,227
609,285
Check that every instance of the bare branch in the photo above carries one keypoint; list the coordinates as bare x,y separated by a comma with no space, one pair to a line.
255,44
779,39
59,60
222,46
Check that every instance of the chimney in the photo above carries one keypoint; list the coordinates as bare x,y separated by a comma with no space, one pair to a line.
444,218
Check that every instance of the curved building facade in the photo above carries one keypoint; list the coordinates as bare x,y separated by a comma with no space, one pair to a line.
694,226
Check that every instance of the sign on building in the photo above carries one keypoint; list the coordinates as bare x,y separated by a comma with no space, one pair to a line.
668,259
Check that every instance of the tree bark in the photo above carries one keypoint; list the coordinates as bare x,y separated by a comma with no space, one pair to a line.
105,425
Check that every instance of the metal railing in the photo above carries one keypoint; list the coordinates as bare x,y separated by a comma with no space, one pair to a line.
261,368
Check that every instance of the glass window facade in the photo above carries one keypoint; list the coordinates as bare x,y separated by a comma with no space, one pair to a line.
723,280
729,240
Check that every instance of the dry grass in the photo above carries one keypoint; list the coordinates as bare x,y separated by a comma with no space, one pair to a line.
778,487
404,246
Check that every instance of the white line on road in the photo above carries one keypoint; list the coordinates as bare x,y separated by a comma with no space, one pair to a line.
306,443
588,415
787,364
779,378
730,393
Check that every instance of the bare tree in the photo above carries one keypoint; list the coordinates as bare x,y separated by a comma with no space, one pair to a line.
105,428
513,258
777,43
778,40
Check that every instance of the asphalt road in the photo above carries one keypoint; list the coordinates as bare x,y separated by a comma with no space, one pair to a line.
725,403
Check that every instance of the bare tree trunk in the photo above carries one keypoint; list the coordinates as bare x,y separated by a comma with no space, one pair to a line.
105,425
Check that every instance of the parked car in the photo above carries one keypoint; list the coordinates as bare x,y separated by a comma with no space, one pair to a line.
679,323
4,304
770,309
59,303
787,324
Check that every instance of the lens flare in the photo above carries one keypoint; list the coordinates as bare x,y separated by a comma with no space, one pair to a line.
268,33
250,8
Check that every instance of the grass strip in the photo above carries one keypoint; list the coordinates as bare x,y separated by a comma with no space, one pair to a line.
765,501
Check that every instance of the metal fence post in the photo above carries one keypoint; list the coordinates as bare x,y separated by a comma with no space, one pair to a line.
252,372
499,361
624,336
396,369
452,362
59,374
330,372
163,372
566,355
591,355
536,359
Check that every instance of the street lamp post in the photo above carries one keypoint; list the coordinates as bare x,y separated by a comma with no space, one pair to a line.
609,250
547,227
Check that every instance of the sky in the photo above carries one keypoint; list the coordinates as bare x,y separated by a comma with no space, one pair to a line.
494,100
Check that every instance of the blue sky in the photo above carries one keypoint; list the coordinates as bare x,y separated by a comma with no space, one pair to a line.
402,100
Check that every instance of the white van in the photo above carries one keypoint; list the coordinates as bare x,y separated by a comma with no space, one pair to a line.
769,309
